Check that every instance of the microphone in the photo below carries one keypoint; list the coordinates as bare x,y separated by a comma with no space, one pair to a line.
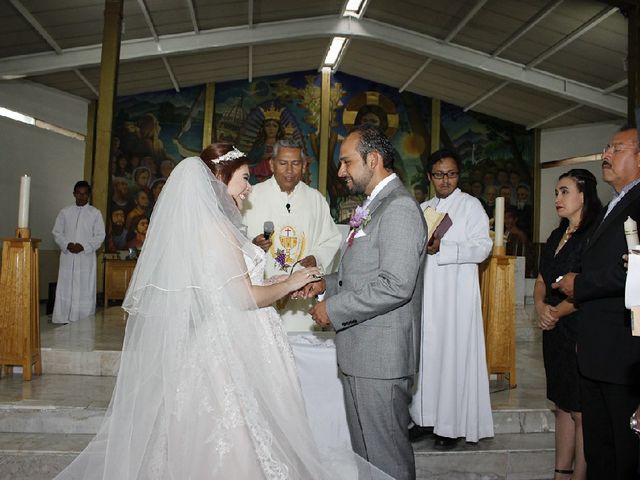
288,207
267,229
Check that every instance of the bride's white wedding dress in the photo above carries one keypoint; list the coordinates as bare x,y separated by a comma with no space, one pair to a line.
207,387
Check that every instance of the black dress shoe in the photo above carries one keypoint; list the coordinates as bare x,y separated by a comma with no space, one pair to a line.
417,433
445,443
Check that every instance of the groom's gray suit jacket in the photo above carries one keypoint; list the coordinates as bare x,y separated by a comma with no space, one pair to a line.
374,299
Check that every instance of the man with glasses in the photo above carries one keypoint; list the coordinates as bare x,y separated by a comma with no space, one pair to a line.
608,355
453,385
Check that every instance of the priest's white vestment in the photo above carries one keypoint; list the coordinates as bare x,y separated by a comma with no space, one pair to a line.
76,290
452,392
303,228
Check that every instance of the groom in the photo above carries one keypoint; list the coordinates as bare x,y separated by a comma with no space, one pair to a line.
374,303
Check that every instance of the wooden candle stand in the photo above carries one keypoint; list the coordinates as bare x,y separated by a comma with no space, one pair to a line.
19,305
497,288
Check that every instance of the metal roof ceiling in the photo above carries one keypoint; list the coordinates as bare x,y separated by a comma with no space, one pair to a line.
542,63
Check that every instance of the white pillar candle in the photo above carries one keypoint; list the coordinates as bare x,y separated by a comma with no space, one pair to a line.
498,217
631,233
23,202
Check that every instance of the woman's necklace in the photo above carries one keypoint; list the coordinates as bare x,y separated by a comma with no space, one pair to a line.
565,237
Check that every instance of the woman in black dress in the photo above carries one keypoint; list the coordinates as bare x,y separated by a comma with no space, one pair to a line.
578,205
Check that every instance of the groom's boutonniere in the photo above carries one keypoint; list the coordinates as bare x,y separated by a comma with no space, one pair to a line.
358,221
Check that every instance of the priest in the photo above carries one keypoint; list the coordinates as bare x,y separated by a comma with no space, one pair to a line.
452,394
291,222
79,232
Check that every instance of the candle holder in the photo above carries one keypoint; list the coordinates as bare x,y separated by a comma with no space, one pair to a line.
499,250
23,232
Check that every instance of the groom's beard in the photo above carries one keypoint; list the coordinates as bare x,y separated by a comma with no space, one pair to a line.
359,185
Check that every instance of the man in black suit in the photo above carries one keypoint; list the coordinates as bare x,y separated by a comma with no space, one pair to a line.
608,355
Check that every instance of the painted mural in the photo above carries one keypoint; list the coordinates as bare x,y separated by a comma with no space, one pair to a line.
152,133
497,159
254,116
404,117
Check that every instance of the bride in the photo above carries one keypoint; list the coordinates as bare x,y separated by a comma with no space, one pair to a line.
207,387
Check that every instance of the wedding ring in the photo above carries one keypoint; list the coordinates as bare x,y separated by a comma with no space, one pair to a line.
559,278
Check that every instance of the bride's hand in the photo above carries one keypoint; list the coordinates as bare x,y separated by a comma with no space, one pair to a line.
300,278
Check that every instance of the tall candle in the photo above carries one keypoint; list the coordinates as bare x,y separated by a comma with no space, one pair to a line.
631,233
23,202
498,222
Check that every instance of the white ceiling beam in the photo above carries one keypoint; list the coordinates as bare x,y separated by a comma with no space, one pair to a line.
616,86
324,27
176,86
193,15
147,18
49,39
609,89
250,24
577,33
533,21
467,18
36,25
415,74
559,114
156,38
461,24
486,95
86,81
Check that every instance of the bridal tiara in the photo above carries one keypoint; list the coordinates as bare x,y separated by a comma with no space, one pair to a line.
229,156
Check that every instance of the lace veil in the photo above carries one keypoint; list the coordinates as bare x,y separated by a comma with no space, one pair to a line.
203,391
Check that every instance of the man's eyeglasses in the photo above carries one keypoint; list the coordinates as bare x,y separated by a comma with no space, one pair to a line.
618,147
441,175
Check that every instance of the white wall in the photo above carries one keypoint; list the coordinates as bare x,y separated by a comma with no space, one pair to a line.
562,143
54,162
54,106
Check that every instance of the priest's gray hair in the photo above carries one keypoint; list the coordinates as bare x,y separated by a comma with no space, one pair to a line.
288,143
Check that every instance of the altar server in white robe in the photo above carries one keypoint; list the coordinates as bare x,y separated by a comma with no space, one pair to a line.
304,231
453,386
79,232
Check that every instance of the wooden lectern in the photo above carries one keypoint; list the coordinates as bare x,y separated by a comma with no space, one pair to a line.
497,288
19,305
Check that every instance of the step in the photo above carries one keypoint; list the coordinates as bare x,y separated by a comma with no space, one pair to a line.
76,404
87,420
74,350
31,456
37,456
506,456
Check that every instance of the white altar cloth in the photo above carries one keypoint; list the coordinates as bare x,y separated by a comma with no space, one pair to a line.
315,357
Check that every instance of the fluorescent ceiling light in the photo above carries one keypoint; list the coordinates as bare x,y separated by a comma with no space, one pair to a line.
334,51
353,6
18,117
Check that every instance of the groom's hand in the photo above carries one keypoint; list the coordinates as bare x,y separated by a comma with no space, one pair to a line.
319,314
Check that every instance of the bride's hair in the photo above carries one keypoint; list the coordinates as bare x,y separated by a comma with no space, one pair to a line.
223,170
